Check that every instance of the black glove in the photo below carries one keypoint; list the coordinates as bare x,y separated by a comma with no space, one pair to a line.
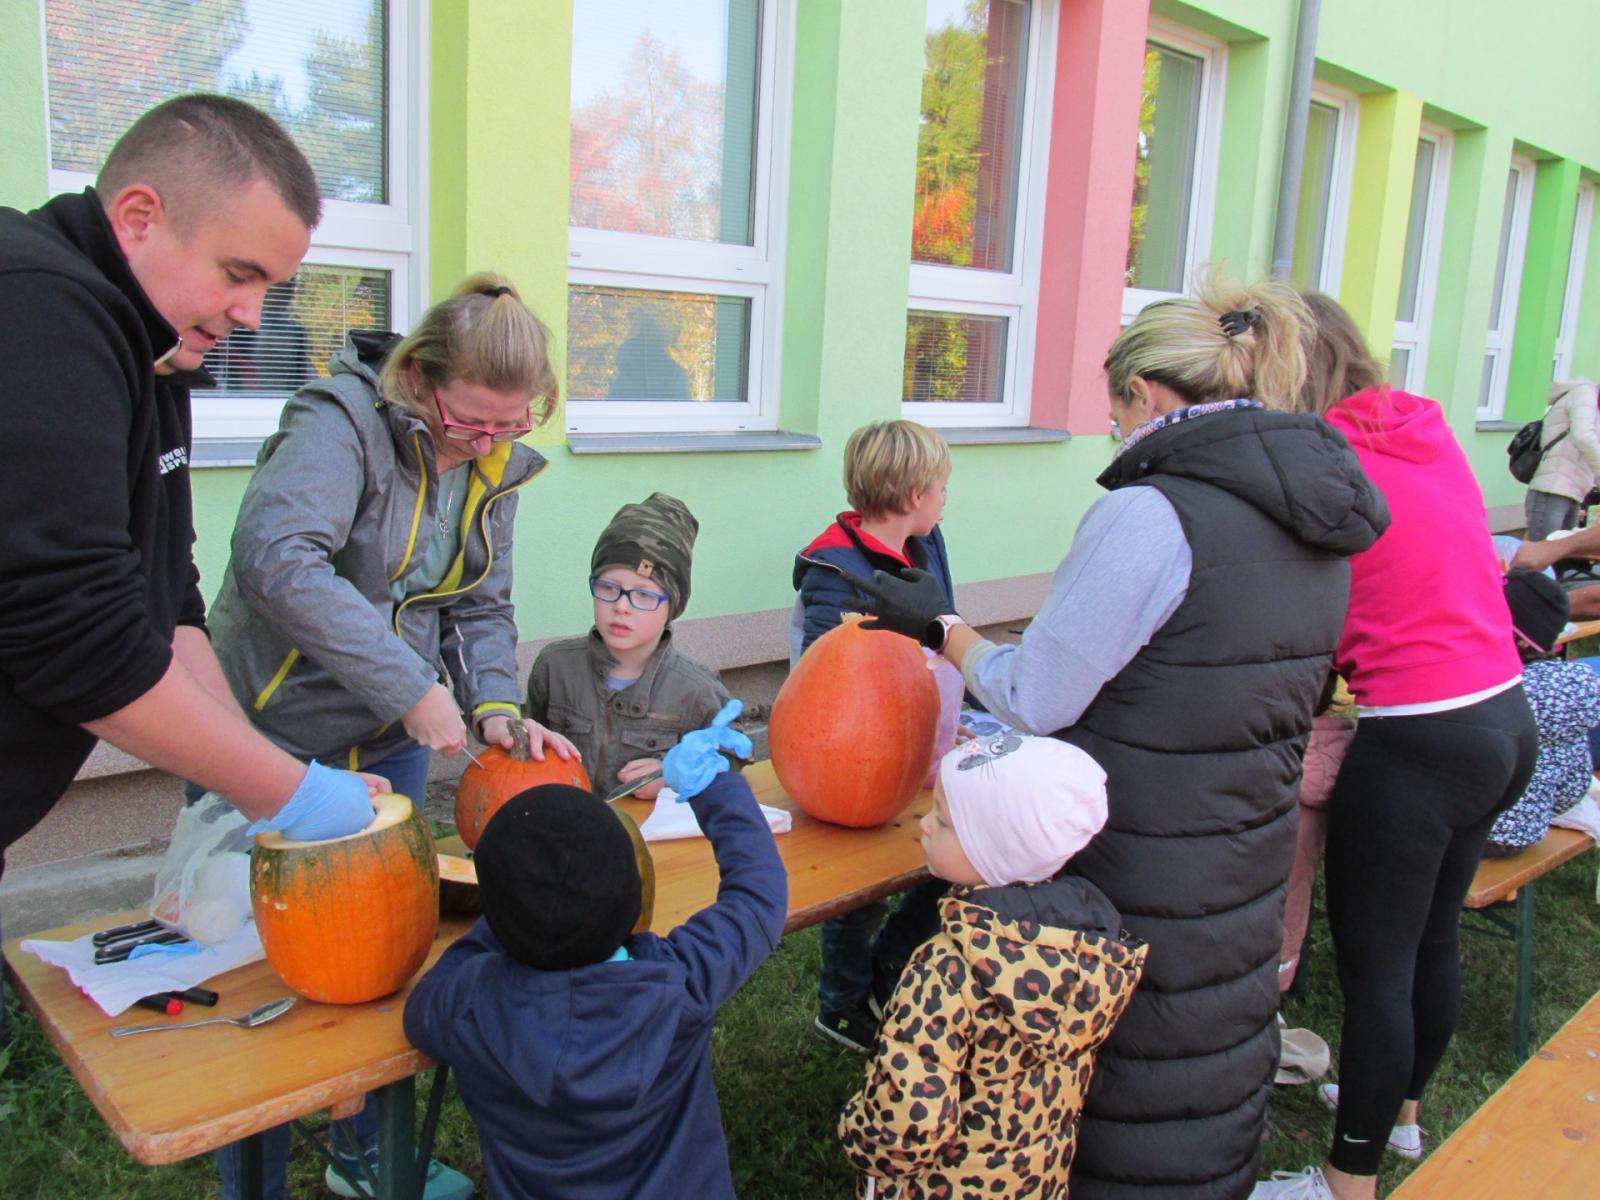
908,603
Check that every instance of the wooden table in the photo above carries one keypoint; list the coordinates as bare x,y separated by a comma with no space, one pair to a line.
1580,630
1539,1135
1502,882
169,1099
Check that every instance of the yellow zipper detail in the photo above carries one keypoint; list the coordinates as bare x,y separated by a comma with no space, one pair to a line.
416,513
276,680
355,759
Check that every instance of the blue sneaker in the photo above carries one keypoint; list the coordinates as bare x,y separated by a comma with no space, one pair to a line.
443,1183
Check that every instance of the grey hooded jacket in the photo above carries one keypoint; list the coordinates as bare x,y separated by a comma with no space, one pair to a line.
312,643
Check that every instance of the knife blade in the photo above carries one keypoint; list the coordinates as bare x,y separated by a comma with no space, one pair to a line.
629,788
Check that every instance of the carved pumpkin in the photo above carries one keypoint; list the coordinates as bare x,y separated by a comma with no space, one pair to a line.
501,774
350,919
853,727
506,773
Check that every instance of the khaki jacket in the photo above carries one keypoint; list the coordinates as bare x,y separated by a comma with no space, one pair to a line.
988,1044
567,692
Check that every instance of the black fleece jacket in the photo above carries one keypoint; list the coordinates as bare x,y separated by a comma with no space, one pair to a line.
96,555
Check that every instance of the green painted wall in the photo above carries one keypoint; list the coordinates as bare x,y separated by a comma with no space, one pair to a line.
1544,274
499,164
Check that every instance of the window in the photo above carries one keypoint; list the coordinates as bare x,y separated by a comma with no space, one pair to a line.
335,73
975,230
1419,270
1325,176
674,253
1174,172
1507,285
1577,262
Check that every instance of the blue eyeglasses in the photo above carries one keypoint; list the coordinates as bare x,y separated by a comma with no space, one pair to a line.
642,599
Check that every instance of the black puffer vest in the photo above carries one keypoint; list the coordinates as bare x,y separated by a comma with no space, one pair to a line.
1201,737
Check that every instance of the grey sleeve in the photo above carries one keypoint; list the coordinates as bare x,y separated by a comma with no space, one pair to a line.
1125,575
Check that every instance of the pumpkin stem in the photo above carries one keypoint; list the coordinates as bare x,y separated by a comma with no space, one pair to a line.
521,744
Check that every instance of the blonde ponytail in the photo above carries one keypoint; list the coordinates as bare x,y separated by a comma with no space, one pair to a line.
483,333
1228,342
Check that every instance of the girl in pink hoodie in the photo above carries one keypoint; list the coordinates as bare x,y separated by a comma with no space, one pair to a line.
1445,741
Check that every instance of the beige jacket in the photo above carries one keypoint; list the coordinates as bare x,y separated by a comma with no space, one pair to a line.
1570,467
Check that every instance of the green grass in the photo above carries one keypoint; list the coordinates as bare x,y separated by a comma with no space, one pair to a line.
781,1087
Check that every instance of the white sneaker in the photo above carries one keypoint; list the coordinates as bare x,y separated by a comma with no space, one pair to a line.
1404,1140
1293,1185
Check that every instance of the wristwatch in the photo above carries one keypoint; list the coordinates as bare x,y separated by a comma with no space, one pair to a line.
939,631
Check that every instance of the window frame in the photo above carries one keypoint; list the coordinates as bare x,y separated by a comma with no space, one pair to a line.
1572,294
1213,55
386,236
608,258
1415,334
1348,107
1498,340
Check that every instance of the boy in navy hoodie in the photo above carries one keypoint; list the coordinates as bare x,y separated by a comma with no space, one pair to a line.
582,1051
896,474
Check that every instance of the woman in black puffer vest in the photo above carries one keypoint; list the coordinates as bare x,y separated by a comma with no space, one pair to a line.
1184,644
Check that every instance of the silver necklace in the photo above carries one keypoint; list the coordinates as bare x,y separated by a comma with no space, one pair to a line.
446,500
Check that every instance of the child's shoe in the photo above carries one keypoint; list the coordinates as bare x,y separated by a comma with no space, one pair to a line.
1404,1140
853,1027
1294,1185
442,1183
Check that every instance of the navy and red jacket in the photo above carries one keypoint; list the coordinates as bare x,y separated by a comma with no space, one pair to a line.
825,594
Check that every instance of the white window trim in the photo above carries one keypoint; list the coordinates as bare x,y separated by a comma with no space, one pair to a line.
1203,196
380,236
1498,341
1013,294
1344,171
1415,334
1577,265
608,258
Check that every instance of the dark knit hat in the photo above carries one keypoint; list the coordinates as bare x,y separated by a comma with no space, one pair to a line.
656,539
1538,607
557,877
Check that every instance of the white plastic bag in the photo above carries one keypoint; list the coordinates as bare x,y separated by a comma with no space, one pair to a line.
203,886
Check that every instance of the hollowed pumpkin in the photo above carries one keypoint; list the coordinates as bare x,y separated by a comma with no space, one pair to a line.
500,774
350,919
853,727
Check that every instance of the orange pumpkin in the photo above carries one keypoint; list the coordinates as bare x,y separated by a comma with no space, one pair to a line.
350,919
501,774
853,727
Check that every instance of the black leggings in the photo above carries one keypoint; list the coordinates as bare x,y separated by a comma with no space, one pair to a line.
1406,825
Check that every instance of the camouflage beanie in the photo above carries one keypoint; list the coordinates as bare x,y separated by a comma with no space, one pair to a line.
654,538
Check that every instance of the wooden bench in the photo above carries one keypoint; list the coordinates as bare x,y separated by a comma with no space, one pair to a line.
1538,1136
1504,882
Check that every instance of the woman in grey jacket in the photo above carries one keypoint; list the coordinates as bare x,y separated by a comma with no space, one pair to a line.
371,559
1571,462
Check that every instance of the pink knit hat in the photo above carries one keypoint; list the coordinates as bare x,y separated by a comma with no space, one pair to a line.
1022,806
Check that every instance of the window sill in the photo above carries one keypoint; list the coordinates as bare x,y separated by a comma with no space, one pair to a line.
1498,426
225,452
1002,435
689,443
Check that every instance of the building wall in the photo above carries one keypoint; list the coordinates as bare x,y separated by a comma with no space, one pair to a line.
497,142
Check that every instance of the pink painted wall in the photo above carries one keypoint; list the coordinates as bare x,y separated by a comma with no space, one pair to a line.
1094,129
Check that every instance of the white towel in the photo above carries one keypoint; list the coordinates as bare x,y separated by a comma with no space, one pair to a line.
672,820
115,986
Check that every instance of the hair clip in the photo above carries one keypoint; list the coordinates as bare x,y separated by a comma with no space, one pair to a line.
1236,322
495,291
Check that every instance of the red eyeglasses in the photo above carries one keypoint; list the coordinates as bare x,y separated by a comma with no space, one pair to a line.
458,432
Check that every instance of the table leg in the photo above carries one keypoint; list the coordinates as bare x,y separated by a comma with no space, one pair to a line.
252,1182
1522,1002
399,1173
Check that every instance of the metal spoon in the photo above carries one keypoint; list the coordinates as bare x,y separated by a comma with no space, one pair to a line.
256,1016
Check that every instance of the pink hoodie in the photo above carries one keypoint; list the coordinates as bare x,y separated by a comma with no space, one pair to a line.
1427,618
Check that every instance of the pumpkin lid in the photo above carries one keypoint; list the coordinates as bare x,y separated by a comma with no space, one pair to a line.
390,809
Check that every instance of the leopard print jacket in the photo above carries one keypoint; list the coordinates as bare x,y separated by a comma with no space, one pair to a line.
984,1058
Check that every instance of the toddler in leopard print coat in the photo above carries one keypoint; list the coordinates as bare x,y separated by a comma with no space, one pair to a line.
988,1043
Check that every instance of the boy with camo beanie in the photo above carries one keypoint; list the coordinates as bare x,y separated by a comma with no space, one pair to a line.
623,694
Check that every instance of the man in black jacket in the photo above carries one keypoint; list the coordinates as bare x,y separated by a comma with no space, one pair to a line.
104,298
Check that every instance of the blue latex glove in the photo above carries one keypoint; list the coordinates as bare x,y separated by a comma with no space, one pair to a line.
691,765
327,804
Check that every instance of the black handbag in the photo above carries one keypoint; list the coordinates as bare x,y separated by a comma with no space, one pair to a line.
1525,451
